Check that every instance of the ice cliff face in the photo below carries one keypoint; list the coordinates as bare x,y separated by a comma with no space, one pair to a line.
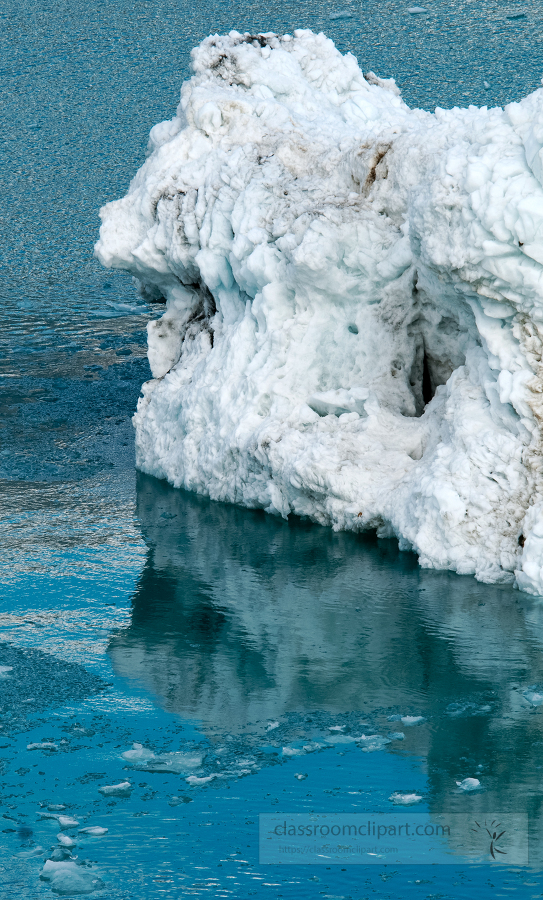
354,303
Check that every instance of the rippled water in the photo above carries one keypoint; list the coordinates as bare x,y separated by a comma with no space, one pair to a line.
130,612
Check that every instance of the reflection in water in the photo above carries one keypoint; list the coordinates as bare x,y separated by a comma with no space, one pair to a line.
240,618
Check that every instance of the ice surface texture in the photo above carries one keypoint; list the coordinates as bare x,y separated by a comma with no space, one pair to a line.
354,303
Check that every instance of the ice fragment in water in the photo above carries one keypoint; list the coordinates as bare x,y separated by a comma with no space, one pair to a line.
400,799
450,384
66,840
67,821
342,14
67,878
4,670
56,807
116,790
293,751
468,784
396,735
46,745
301,776
486,85
176,763
412,720
535,698
95,830
137,754
372,742
416,9
194,779
271,726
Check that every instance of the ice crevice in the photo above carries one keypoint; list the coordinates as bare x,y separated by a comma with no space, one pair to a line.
353,298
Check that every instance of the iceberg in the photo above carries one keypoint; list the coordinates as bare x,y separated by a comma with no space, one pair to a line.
353,290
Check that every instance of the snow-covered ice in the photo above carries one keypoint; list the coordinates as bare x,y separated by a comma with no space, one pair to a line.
469,784
175,763
407,799
67,877
123,789
65,840
353,327
96,830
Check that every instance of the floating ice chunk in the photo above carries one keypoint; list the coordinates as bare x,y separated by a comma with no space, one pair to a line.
396,735
412,720
63,821
400,799
271,726
293,751
45,745
300,776
176,763
395,718
5,670
177,801
336,728
534,698
486,85
94,830
342,14
469,784
66,840
342,738
292,305
67,821
116,790
56,807
67,878
138,753
416,9
196,780
372,742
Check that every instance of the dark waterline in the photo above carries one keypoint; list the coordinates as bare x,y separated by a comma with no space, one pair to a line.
133,612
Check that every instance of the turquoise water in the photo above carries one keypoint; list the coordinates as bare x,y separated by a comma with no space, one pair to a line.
130,612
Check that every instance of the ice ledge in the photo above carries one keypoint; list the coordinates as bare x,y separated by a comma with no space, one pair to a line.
354,303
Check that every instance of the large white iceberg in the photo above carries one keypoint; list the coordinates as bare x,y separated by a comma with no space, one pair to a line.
354,303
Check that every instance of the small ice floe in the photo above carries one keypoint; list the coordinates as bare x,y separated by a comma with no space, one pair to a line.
301,776
339,738
116,790
394,718
5,670
67,821
56,807
176,763
45,745
271,726
94,830
412,720
138,753
415,10
68,878
533,696
372,742
342,14
336,728
177,801
196,780
468,784
396,736
60,853
408,799
293,751
65,840
63,821
486,85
